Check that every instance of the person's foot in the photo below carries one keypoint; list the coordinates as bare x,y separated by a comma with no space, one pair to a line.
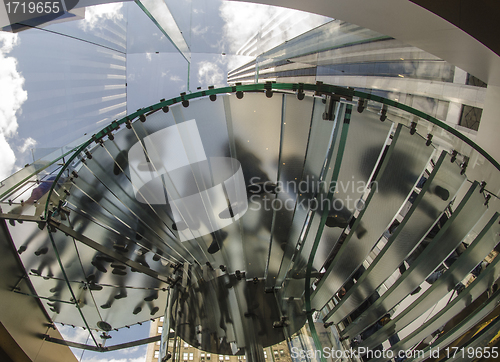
21,249
335,221
121,295
120,163
41,251
151,297
154,310
416,291
95,287
106,305
360,231
137,310
119,272
216,244
99,266
105,258
443,193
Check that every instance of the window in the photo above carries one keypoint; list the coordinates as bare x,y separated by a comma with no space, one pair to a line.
160,329
185,356
157,354
162,319
221,358
186,345
282,352
208,356
191,356
227,358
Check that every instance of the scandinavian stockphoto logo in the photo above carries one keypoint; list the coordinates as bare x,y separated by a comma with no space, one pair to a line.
204,194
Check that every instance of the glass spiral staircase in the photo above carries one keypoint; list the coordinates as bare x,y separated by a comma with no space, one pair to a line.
252,214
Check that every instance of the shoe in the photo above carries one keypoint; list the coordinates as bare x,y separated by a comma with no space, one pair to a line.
104,258
214,247
335,221
120,163
121,295
416,291
154,310
360,232
99,266
12,222
35,271
21,249
151,297
443,193
95,287
137,310
119,272
156,257
41,251
118,266
106,306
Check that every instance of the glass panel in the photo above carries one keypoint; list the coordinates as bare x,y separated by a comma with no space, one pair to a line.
443,244
401,168
471,257
365,141
319,142
109,31
294,135
254,127
464,299
465,325
422,215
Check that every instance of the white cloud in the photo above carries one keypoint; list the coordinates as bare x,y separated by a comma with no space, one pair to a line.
251,29
28,144
198,30
12,96
176,78
95,14
210,73
78,335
